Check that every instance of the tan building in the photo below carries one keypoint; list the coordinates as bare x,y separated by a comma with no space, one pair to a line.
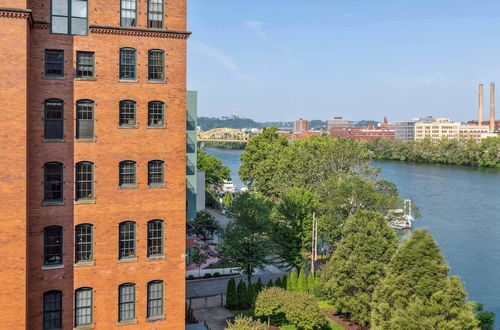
444,128
337,122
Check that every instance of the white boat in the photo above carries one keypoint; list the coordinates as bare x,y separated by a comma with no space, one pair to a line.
401,218
228,186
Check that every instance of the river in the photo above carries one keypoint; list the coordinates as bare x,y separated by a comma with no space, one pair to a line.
459,205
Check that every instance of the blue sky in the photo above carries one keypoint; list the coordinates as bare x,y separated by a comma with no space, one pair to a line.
278,60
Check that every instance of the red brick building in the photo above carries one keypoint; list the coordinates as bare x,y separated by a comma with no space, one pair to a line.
370,133
92,171
301,125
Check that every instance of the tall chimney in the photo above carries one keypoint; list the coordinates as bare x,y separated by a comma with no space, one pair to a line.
492,107
480,119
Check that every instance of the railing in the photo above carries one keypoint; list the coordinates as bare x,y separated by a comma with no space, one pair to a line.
190,168
190,187
190,123
190,146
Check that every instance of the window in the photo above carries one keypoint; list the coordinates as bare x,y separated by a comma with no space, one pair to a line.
85,119
155,14
127,240
69,17
54,119
155,299
52,245
84,65
53,182
84,181
127,64
52,310
155,172
83,306
128,13
156,65
126,302
127,173
155,113
155,238
54,63
83,243
127,113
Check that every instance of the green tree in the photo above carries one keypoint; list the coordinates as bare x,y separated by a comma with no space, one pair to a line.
417,293
270,304
357,265
199,258
227,199
246,239
284,282
215,171
278,283
258,285
302,282
205,224
250,297
310,282
231,294
486,318
292,227
292,282
270,283
241,291
245,323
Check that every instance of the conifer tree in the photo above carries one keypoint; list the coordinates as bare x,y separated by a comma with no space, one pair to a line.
250,297
270,283
284,282
310,282
302,282
278,283
231,294
242,294
291,284
357,266
417,293
258,286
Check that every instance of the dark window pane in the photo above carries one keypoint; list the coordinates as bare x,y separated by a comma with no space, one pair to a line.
53,182
156,65
127,64
52,245
128,12
155,238
83,243
127,240
83,307
52,310
155,113
54,63
84,120
127,113
127,173
126,302
155,14
155,298
84,181
155,172
54,119
84,65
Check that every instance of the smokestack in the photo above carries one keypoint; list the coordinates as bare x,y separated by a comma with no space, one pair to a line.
480,118
492,107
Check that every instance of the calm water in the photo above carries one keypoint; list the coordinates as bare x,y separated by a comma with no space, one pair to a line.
460,206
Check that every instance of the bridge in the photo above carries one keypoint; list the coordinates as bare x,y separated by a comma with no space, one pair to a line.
223,135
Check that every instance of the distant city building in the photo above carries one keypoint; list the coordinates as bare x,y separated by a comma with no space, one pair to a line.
337,122
405,130
444,128
370,133
191,153
301,125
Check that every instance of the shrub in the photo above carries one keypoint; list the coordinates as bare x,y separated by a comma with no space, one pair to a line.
310,282
270,284
231,295
190,277
284,282
302,282
241,292
207,275
245,323
278,283
216,274
291,284
250,296
258,285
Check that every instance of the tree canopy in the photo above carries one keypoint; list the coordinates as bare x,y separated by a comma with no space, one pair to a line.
215,171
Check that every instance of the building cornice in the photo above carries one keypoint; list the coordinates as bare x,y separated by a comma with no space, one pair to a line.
139,32
15,13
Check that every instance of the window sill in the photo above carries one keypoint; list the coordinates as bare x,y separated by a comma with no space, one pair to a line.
156,127
85,201
155,258
54,78
52,203
84,264
128,80
128,126
157,82
128,322
85,79
156,186
84,327
54,140
126,187
86,140
155,319
127,260
48,267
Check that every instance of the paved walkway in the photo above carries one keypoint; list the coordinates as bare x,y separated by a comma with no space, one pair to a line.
215,317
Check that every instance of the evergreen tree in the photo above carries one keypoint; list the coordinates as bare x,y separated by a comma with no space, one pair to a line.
291,284
357,266
258,285
284,282
270,283
278,283
302,282
486,318
231,294
242,294
417,293
250,297
310,283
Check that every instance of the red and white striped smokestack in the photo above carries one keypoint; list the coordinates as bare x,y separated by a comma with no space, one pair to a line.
492,107
480,118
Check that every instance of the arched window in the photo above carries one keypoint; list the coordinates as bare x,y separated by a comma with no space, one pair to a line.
85,119
155,299
127,240
156,65
127,173
84,243
127,115
53,182
155,14
155,172
52,245
52,310
128,15
84,181
126,302
156,114
54,119
128,64
155,238
83,306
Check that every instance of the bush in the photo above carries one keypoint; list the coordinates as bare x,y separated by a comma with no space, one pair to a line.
258,286
291,284
216,274
245,323
250,297
190,277
302,282
207,275
278,283
241,292
231,295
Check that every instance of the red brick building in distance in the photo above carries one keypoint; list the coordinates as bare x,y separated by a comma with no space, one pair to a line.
370,133
301,125
93,164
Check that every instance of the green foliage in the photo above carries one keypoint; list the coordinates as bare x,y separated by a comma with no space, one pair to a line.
204,224
241,292
231,294
292,282
310,282
207,123
246,241
486,318
250,296
445,151
270,283
292,226
357,265
302,282
417,293
199,258
245,323
227,199
258,285
215,172
284,282
278,283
